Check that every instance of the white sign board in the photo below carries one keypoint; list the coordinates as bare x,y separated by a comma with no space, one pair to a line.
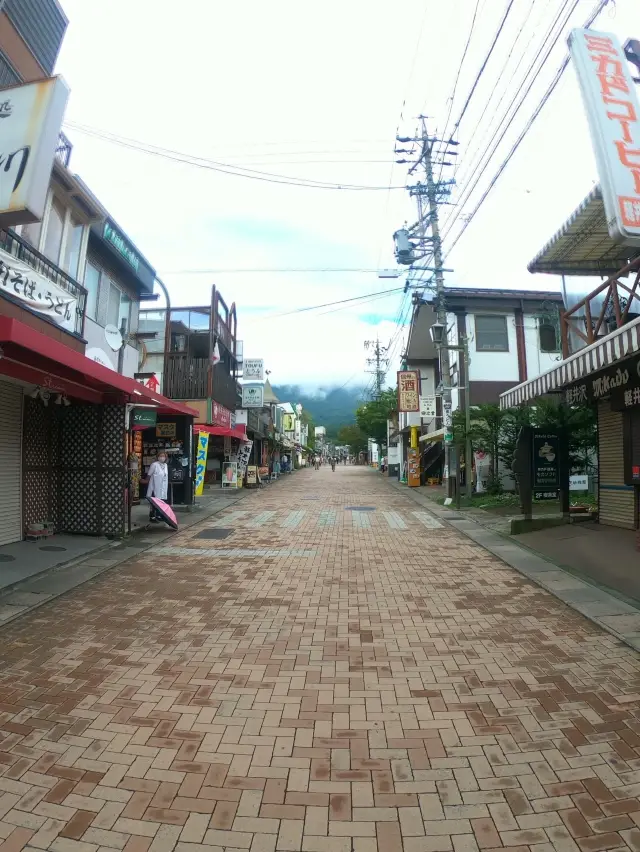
579,483
447,421
37,292
393,455
428,407
243,456
241,416
31,116
253,368
99,356
252,396
611,102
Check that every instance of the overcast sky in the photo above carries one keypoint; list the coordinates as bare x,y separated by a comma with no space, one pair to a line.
317,92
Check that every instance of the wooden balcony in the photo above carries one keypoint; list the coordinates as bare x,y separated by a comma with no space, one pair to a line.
195,378
610,306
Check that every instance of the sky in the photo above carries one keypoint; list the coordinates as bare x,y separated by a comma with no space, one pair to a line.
318,92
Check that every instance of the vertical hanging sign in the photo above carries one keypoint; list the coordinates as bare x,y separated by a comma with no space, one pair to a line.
201,461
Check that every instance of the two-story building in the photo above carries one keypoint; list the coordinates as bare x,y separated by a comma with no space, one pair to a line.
511,336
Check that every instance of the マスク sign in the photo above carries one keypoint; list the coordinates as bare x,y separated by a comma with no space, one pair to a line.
30,117
611,102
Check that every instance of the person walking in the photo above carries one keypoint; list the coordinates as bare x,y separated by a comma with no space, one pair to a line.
317,462
333,464
158,477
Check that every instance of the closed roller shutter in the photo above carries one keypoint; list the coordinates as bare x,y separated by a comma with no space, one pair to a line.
616,501
10,463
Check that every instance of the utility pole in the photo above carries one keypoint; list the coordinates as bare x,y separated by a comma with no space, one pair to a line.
378,362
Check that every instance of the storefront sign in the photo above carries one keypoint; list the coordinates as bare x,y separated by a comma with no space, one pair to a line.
31,118
230,475
201,461
546,468
243,456
252,396
252,475
220,415
618,382
289,423
166,430
408,390
428,407
253,369
37,292
579,483
241,416
120,243
144,417
611,103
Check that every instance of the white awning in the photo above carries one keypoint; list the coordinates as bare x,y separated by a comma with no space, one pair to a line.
620,344
436,435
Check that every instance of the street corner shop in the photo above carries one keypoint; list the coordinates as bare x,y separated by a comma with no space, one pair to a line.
65,436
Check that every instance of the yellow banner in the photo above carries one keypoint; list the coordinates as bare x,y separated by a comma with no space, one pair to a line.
201,461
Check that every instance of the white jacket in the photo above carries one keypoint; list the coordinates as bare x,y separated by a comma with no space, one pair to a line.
158,480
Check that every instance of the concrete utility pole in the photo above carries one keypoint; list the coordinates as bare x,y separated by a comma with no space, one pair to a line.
378,362
428,218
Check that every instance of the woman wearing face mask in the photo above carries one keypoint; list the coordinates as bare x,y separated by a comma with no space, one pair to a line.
158,483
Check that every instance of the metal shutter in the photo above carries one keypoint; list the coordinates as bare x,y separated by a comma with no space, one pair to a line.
616,501
10,463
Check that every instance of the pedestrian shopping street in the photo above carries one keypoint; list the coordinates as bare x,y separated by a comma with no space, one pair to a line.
322,666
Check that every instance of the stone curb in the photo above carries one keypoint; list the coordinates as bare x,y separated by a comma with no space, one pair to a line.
606,611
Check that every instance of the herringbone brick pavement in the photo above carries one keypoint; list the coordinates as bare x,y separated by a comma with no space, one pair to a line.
323,685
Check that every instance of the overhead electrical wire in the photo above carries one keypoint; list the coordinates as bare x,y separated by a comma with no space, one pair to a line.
365,296
224,168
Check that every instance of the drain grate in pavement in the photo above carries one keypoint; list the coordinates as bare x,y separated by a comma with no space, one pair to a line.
217,533
51,548
4,557
359,508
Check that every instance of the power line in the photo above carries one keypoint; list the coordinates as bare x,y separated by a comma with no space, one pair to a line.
267,269
365,296
224,168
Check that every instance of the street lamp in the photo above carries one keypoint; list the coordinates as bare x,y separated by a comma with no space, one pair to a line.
437,333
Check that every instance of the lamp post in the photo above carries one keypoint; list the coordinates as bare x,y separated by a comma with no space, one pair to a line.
437,332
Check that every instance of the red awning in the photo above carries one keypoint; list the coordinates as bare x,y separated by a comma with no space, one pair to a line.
238,432
35,358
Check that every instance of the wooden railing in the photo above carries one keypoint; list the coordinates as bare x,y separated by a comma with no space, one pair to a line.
620,304
187,378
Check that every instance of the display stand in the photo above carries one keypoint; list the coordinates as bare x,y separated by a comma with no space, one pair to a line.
229,475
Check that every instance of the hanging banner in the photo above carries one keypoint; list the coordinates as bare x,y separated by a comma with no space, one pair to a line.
610,99
201,461
37,292
408,390
243,456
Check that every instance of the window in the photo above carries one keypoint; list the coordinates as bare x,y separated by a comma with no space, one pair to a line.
92,283
72,247
113,306
31,233
491,333
548,336
124,314
55,228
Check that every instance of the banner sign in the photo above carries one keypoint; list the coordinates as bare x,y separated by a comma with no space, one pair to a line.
143,417
408,390
620,382
229,475
201,461
252,396
289,422
220,416
611,102
428,407
37,292
253,368
243,456
546,470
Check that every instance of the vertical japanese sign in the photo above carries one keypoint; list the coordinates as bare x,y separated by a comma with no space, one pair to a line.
546,469
408,390
611,103
201,461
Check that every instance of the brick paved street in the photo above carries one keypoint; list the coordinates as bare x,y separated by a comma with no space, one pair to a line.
318,679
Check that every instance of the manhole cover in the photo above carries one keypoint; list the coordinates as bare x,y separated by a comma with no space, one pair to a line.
360,509
214,533
51,548
4,557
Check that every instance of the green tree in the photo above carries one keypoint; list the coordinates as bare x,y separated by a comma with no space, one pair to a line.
352,436
372,416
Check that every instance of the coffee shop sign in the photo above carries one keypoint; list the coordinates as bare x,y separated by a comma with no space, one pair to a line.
600,387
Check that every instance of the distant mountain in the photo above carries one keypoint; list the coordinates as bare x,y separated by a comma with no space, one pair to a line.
330,407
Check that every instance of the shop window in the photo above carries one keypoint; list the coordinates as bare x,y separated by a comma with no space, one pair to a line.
92,284
124,314
31,233
73,244
548,337
55,229
113,306
491,333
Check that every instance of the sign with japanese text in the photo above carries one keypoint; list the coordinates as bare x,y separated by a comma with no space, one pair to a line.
201,461
408,390
253,368
166,430
252,396
620,383
37,292
244,454
613,110
428,407
31,116
546,465
220,416
289,423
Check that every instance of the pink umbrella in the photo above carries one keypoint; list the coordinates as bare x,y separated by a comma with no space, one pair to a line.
165,510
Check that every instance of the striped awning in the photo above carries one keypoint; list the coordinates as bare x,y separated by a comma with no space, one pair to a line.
616,346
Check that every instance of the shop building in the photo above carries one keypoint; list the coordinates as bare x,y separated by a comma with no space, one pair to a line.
600,335
31,34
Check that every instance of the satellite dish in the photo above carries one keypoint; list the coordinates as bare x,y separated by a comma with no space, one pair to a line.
113,337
